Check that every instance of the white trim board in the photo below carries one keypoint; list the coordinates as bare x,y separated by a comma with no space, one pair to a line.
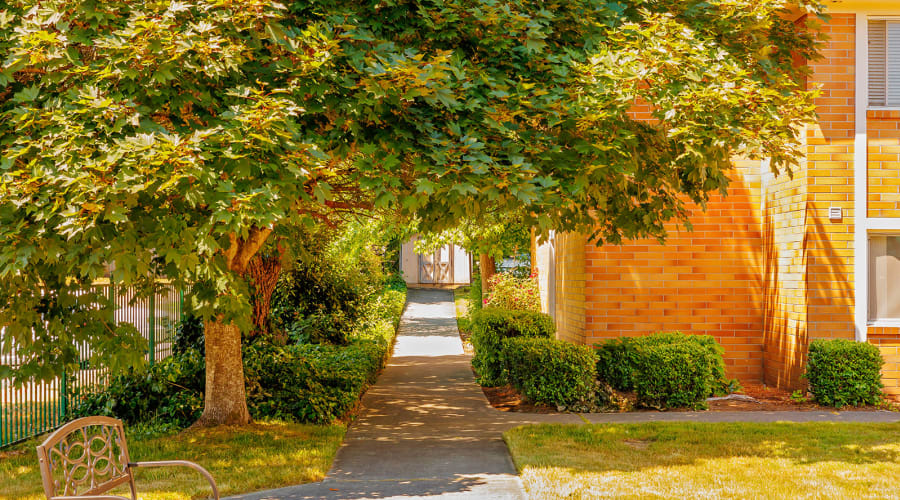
860,180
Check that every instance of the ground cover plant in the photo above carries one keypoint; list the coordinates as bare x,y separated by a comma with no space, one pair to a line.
261,456
698,460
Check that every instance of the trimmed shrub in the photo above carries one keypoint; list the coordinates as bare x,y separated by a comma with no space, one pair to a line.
551,371
309,382
844,372
673,375
490,326
617,359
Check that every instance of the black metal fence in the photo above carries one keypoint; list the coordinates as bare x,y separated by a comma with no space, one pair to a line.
37,407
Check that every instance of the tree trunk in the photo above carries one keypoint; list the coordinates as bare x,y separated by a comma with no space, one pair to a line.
263,273
225,402
488,268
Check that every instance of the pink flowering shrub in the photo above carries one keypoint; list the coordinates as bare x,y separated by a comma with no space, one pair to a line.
509,292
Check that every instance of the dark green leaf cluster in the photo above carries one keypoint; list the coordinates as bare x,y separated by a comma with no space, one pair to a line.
844,373
551,371
490,327
169,392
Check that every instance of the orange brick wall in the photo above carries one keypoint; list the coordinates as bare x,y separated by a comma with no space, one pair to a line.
829,243
883,130
703,282
888,342
766,270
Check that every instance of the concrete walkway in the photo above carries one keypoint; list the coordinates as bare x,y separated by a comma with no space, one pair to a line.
426,429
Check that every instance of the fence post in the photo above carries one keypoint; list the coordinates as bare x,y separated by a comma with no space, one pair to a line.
152,321
63,397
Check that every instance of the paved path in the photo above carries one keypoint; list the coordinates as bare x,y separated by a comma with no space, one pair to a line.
427,430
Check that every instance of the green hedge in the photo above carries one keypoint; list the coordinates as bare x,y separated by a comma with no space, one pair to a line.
489,328
550,371
315,383
844,373
673,375
617,359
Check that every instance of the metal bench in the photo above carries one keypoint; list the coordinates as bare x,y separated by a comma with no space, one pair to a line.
88,457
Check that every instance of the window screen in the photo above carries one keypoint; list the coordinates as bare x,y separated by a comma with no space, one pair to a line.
884,63
884,277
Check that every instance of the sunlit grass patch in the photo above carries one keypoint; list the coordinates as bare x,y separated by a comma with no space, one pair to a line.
242,459
716,460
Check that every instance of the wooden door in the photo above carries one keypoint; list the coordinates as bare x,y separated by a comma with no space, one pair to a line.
437,266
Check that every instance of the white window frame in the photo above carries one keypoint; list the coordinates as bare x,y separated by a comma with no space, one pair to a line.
865,22
864,226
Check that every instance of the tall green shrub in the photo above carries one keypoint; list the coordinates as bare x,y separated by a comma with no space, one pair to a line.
551,371
673,375
844,373
618,359
489,328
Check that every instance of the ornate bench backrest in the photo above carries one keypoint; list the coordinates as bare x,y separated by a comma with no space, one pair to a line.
87,456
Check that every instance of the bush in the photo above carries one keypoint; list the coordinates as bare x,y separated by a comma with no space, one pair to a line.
551,371
673,375
512,293
617,359
844,372
189,335
489,328
169,392
319,383
308,382
315,383
476,301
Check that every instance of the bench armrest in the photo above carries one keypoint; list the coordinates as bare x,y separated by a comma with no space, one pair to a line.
181,463
91,497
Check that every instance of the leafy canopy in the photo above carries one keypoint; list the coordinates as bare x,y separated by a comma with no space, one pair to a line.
168,138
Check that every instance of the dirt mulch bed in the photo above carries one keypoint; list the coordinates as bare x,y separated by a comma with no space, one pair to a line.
506,398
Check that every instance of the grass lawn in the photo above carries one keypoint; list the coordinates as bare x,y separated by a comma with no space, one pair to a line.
697,460
262,456
461,299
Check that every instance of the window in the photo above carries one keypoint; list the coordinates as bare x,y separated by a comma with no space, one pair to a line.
884,62
884,277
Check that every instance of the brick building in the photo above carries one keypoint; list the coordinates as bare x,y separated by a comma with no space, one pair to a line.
779,261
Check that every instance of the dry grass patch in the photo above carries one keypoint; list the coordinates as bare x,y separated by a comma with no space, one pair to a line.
242,459
695,460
